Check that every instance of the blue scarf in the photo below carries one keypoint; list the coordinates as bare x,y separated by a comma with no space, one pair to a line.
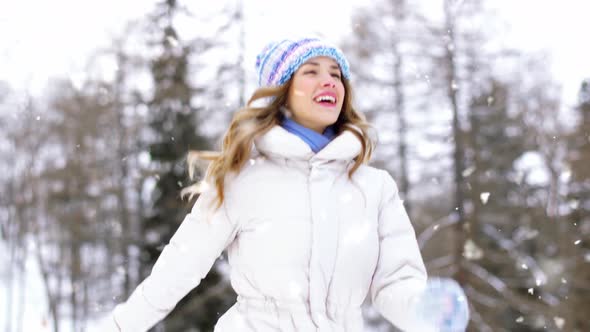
315,140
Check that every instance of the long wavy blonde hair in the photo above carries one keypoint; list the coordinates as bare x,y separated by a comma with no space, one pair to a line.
251,122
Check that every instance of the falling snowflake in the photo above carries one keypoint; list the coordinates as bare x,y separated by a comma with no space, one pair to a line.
531,291
38,118
96,307
203,186
520,319
484,197
577,242
172,41
559,322
566,175
467,172
563,281
471,251
524,266
299,93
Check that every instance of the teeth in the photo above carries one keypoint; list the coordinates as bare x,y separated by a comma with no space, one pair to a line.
326,98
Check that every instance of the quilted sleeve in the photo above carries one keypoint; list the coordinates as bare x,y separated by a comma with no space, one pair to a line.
400,276
183,263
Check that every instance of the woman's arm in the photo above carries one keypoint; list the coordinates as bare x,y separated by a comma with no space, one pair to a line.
183,263
400,276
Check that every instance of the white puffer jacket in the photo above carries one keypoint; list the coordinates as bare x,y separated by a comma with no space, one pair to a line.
305,245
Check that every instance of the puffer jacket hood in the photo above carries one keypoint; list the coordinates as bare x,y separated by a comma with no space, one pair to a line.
278,142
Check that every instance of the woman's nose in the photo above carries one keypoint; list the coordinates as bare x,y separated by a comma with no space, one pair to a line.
329,82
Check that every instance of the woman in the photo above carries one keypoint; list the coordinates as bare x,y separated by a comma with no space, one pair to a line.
310,229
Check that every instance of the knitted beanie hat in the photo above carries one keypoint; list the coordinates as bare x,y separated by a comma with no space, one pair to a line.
279,60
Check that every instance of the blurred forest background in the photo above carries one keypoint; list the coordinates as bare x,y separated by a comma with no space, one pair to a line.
492,165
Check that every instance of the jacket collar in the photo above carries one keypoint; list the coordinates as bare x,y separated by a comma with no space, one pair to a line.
278,142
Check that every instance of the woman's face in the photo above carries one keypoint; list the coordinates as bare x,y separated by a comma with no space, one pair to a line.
316,94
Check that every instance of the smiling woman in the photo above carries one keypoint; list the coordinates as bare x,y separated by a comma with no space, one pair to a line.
310,228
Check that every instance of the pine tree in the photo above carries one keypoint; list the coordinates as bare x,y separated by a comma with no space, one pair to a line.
174,127
494,141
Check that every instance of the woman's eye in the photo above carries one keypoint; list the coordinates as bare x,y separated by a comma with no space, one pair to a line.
336,75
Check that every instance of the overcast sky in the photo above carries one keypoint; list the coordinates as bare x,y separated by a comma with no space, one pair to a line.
560,27
48,38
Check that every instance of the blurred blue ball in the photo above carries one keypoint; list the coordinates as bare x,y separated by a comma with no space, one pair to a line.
444,305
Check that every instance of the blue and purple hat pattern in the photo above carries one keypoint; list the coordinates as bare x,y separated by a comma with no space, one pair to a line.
279,60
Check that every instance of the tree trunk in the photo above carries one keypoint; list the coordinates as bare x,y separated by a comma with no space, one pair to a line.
402,127
122,155
458,154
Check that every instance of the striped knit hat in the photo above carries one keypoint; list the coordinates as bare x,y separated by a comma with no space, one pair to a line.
279,60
